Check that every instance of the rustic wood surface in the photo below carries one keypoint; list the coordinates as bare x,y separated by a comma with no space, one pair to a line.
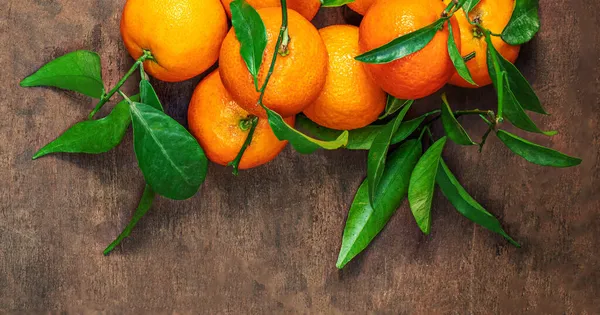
267,241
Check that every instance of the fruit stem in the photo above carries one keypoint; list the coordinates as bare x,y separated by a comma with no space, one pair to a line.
106,97
253,120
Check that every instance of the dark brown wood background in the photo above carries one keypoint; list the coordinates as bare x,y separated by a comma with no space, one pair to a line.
267,241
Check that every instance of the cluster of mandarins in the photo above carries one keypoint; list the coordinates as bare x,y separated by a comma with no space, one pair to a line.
318,77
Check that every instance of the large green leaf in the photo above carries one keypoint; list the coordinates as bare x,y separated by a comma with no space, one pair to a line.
422,185
360,139
365,221
523,24
144,205
301,142
170,158
465,204
453,128
403,45
457,58
92,136
535,153
79,71
379,150
252,35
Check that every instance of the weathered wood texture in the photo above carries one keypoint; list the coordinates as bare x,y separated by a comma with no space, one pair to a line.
267,241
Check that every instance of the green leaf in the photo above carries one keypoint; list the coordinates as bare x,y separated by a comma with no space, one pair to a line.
516,114
144,205
404,45
457,59
379,150
334,3
170,158
148,95
508,100
465,204
393,105
469,5
79,71
518,84
523,24
252,35
92,136
422,185
360,139
535,153
301,142
364,221
453,128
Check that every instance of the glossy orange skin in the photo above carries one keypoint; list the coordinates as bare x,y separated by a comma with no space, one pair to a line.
214,119
493,15
350,98
361,6
298,77
308,8
184,36
421,73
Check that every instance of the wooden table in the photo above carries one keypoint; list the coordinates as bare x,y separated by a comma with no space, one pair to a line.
267,241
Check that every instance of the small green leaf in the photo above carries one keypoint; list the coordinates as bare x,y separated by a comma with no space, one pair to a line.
364,221
393,105
148,95
453,128
523,24
379,150
361,139
516,114
422,185
518,84
404,45
92,136
469,5
301,142
144,205
79,71
334,3
508,100
457,59
535,153
465,204
171,160
252,35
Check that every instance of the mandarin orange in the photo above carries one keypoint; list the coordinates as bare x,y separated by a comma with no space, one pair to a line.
421,73
217,122
184,36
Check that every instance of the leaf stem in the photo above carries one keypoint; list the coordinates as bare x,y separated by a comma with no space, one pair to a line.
236,163
105,98
278,47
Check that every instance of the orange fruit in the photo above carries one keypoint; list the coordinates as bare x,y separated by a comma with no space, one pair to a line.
421,73
361,6
184,36
298,77
308,8
214,119
350,98
493,15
